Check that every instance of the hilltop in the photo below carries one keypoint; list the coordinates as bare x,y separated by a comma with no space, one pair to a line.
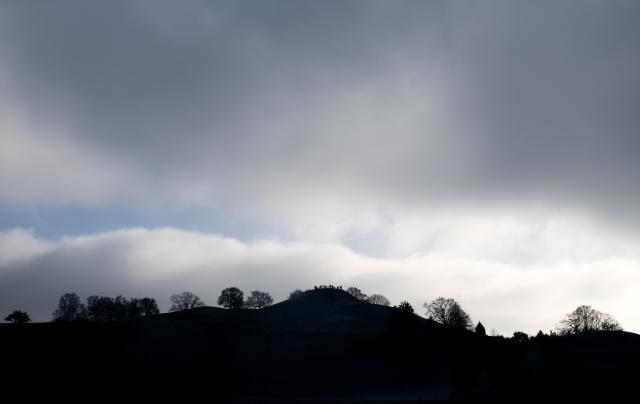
321,310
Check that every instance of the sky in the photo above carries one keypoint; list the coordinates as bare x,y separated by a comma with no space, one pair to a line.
485,151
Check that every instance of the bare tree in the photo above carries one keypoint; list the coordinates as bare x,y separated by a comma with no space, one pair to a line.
448,312
70,308
18,317
608,323
258,300
185,301
378,299
355,292
585,318
231,298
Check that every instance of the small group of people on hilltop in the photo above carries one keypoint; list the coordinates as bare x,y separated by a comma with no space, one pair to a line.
327,287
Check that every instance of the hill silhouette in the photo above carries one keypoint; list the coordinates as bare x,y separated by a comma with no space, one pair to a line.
324,346
321,310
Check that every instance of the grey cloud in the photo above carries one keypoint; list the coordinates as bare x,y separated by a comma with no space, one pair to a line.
250,104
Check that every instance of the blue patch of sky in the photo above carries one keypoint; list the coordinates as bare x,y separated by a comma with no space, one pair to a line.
57,222
54,223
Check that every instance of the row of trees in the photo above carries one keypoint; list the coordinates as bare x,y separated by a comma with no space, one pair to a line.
443,310
583,319
230,298
103,308
373,299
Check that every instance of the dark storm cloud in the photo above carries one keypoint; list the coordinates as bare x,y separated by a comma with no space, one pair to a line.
426,101
553,93
153,79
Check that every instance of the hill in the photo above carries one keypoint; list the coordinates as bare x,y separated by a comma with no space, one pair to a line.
322,346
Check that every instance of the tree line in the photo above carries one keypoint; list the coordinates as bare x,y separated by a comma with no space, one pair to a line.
446,311
103,308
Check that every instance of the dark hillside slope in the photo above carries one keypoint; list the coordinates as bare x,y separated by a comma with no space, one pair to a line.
328,310
324,345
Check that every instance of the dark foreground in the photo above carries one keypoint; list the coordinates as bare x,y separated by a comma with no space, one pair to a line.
322,347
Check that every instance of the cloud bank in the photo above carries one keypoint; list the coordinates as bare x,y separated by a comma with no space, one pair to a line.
159,262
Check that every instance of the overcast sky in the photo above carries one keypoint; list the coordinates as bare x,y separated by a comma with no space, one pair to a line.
486,151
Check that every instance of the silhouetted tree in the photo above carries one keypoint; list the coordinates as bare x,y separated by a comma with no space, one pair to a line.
70,308
584,319
540,336
140,307
231,298
104,308
520,337
402,326
405,306
480,329
122,308
134,308
258,300
148,306
448,312
100,308
185,301
378,299
355,292
296,293
18,317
